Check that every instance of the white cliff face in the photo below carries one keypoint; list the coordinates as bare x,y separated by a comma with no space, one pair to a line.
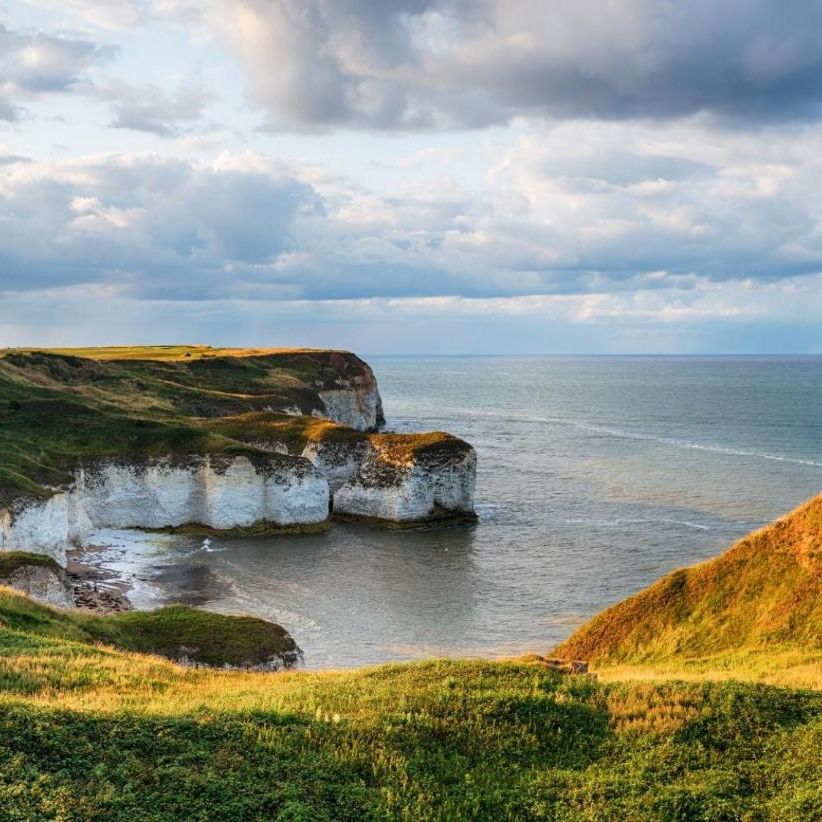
45,527
430,487
358,407
338,462
235,494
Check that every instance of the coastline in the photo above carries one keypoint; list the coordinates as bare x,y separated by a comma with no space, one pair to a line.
96,588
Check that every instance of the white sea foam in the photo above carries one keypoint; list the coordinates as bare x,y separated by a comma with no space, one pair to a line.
633,435
698,446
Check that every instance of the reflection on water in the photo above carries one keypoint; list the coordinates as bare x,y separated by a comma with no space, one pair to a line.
595,477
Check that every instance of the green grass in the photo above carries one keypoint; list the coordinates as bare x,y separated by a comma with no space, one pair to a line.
58,410
174,632
90,732
11,561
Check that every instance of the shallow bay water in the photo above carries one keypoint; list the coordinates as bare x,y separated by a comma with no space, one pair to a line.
595,476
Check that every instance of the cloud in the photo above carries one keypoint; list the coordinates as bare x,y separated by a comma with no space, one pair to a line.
725,317
108,14
145,224
560,212
426,64
34,64
155,110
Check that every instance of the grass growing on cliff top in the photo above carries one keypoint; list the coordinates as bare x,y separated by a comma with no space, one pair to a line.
754,610
159,352
88,732
58,409
11,561
295,433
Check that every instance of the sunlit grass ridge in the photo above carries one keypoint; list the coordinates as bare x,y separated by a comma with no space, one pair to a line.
90,732
754,611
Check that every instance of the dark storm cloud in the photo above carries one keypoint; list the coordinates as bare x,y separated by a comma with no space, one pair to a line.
469,63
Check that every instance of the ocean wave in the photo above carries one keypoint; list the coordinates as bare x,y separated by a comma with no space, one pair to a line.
697,446
608,431
619,521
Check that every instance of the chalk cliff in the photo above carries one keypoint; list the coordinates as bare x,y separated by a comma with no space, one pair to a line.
399,478
217,438
208,491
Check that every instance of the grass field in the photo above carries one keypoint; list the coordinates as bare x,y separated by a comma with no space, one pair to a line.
159,353
90,732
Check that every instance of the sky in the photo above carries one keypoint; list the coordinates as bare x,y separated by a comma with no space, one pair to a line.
413,176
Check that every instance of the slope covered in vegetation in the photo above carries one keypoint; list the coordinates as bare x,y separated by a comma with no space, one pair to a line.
761,598
176,632
90,732
60,407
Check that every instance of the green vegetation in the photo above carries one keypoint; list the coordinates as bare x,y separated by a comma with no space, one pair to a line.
89,729
175,632
89,732
59,409
755,610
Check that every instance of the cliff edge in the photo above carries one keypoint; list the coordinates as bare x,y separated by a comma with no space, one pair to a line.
763,594
223,439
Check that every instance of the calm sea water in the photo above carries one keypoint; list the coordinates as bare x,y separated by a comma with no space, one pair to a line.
595,477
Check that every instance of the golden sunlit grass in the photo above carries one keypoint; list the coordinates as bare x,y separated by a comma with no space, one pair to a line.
296,432
90,732
787,667
754,612
161,353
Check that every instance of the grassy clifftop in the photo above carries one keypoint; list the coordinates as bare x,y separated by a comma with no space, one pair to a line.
295,433
175,632
167,353
760,599
91,732
58,408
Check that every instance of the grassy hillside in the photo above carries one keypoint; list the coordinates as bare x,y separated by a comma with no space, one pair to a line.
58,409
175,632
756,604
90,732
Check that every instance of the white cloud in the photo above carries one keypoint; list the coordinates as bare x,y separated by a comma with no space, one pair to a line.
36,63
156,110
559,213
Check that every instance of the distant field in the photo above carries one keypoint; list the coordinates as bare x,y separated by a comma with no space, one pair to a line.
161,352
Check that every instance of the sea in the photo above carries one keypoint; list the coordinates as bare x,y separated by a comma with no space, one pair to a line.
596,475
